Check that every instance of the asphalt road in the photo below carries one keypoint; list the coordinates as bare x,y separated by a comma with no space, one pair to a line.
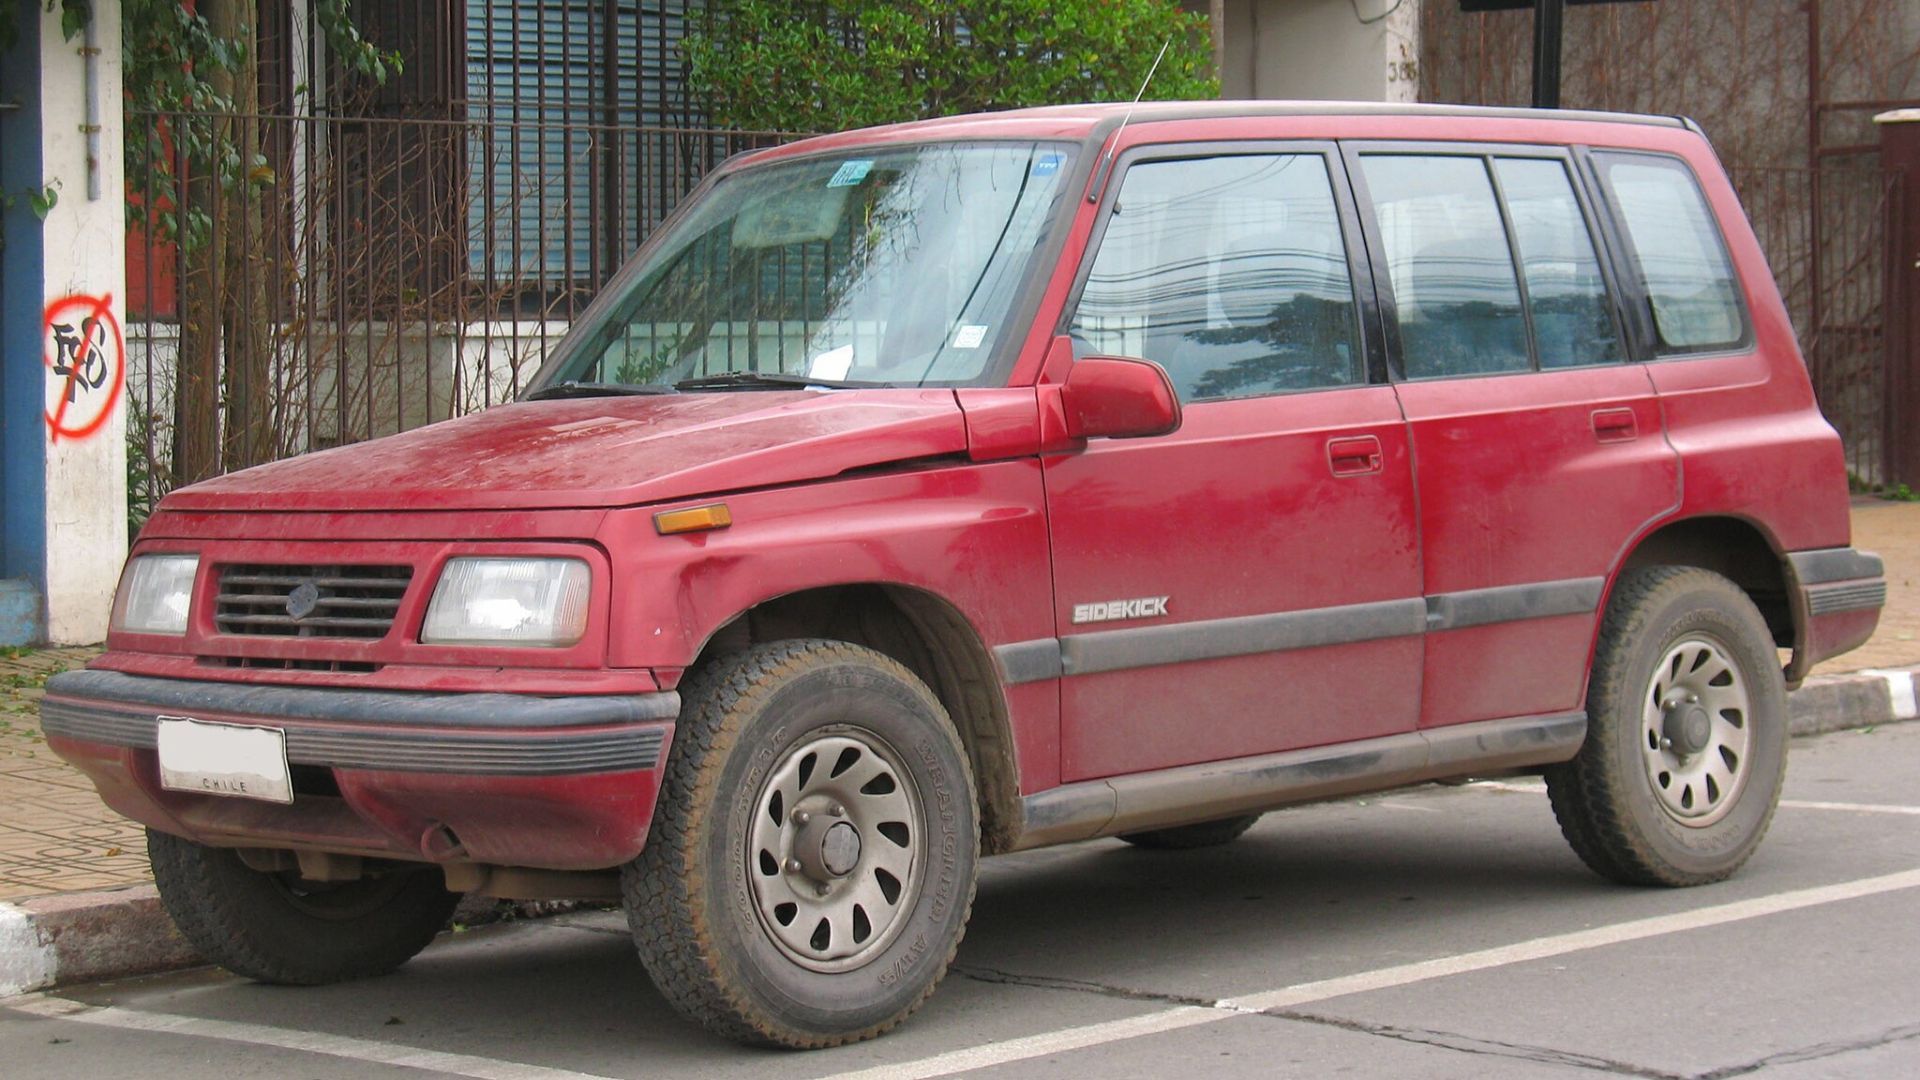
1438,932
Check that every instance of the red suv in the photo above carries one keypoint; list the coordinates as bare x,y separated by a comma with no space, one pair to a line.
967,486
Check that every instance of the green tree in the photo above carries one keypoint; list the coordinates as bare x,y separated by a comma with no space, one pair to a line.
208,177
770,65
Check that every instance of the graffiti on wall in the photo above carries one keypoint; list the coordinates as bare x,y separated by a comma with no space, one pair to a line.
86,358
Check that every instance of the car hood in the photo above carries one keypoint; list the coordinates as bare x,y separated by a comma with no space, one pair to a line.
602,452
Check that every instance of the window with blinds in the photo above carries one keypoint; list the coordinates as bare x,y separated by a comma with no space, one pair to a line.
579,145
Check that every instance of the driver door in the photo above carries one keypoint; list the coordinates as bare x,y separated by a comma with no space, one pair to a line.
1251,582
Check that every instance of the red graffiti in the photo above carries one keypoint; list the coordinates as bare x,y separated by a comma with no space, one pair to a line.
86,355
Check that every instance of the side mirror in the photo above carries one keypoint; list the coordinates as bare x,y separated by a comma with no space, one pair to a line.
1117,397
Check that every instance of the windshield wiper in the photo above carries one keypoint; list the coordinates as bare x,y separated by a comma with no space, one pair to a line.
572,389
778,380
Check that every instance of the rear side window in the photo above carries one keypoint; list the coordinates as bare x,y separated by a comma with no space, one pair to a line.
1454,289
1682,260
1230,272
1566,292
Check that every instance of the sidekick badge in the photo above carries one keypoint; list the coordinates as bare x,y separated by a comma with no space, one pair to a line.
1146,607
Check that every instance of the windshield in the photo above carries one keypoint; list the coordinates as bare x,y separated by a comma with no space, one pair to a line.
890,266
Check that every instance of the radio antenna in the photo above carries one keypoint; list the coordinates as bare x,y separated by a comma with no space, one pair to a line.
1106,165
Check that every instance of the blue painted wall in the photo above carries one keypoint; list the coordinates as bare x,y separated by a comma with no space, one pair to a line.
23,439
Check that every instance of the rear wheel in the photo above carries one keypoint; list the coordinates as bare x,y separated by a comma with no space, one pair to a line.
811,864
1185,837
279,928
1686,734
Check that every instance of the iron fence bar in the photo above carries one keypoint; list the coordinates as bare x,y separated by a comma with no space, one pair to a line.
369,285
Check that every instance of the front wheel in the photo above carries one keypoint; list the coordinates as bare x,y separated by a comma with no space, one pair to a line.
1686,745
277,928
811,864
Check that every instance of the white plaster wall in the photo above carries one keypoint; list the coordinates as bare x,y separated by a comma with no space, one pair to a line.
85,254
1322,50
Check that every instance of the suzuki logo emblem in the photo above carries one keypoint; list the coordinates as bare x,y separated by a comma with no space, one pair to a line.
303,599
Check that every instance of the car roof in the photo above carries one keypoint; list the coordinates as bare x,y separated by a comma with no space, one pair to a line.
1079,122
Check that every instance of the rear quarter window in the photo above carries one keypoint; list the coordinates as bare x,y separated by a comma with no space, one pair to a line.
1677,250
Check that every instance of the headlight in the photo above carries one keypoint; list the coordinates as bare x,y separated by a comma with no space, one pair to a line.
155,593
489,601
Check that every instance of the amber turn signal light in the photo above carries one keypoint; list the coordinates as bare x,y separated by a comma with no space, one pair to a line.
692,519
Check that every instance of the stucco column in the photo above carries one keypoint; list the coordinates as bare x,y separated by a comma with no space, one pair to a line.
1355,50
63,396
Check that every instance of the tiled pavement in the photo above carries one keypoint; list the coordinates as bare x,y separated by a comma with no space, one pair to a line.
55,836
1891,530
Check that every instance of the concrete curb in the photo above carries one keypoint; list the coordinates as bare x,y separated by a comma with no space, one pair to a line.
68,938
81,937
1858,699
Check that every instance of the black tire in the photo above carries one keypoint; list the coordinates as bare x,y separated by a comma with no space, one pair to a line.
1641,807
1187,837
704,922
273,928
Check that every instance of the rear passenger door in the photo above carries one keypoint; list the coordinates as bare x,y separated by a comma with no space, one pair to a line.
1263,556
1538,449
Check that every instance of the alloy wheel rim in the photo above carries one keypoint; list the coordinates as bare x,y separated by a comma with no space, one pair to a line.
1696,731
833,853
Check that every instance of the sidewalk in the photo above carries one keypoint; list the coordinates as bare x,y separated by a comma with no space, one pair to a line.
1892,531
55,835
75,874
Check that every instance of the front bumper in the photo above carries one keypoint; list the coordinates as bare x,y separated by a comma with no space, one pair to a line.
564,783
1835,595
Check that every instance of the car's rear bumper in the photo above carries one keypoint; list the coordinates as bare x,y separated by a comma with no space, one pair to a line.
562,783
1836,595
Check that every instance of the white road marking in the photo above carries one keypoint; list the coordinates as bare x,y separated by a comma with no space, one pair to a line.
1077,1038
1791,804
1850,807
311,1042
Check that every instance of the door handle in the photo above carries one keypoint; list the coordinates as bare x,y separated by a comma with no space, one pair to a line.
1354,456
1615,425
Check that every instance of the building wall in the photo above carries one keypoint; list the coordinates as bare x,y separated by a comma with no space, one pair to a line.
65,289
1337,50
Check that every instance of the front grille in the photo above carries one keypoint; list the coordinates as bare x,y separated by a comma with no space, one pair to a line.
310,601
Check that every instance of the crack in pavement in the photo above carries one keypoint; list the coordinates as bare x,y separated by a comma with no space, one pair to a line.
1815,1052
1468,1044
1049,982
1446,1040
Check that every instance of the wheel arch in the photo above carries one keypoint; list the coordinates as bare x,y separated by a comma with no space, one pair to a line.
933,639
1735,548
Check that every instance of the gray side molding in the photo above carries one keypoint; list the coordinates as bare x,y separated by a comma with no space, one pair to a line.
1510,603
1115,650
1028,661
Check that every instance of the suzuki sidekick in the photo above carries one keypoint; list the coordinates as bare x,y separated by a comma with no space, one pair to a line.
961,487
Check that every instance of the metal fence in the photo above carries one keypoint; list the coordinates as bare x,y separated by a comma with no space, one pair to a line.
1830,261
338,278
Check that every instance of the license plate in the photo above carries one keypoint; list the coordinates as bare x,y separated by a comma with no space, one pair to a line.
224,759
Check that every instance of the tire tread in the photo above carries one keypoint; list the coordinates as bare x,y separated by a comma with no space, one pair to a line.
659,888
209,897
1589,794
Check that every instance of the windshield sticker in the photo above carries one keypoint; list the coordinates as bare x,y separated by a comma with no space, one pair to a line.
1046,165
850,173
832,364
969,337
